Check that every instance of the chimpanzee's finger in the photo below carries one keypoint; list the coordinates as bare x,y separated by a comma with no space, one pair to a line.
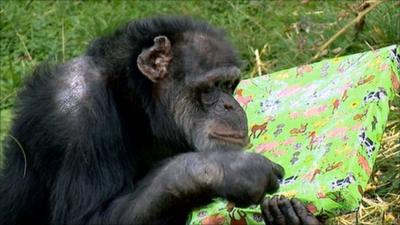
268,218
305,216
287,209
278,170
279,218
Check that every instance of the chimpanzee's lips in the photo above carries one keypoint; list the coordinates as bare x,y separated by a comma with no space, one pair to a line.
234,138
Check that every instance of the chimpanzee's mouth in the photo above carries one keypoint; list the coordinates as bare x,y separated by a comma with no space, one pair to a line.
234,138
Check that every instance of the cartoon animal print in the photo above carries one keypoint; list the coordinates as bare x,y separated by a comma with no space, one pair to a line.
279,129
310,176
328,147
375,96
366,142
261,128
317,143
297,146
289,180
264,147
313,137
344,65
360,116
270,106
303,69
342,183
395,56
315,111
344,95
332,166
289,91
363,162
297,131
243,100
295,158
349,64
338,132
395,80
324,70
335,105
363,80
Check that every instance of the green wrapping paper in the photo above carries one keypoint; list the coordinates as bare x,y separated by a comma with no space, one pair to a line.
323,123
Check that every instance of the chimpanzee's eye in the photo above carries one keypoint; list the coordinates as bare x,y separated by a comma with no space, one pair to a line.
208,95
227,85
230,86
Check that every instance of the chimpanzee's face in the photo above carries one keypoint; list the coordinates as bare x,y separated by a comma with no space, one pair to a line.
203,105
216,119
197,90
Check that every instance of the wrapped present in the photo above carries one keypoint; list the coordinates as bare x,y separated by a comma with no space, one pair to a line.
323,123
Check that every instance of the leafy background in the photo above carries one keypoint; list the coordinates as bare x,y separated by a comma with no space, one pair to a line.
270,36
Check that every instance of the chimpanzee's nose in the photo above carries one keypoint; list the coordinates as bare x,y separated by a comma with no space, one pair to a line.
228,106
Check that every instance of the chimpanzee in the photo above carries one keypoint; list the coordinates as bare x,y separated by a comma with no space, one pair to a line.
139,130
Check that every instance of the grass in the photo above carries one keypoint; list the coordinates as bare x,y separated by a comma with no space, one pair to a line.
270,36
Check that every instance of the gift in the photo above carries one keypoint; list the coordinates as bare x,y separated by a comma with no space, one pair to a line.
323,123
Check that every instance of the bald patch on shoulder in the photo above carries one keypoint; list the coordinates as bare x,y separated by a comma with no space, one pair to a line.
75,82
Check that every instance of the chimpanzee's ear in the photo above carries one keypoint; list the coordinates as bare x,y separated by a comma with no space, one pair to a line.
154,61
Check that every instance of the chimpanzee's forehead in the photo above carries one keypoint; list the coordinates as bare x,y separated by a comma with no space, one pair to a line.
202,53
229,73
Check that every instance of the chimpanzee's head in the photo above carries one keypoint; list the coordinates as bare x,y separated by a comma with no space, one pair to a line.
194,74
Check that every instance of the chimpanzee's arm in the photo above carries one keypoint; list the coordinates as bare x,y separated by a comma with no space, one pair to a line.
167,195
193,179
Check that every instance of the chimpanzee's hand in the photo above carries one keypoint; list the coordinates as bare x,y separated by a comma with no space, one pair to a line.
248,177
194,179
283,211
